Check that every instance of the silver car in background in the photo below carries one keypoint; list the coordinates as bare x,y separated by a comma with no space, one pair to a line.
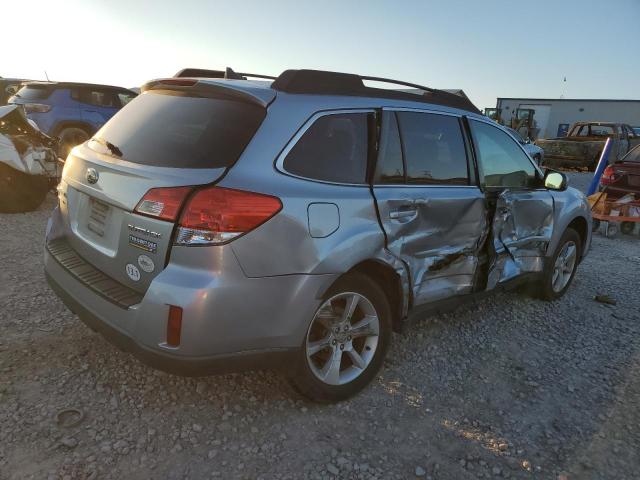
217,224
534,151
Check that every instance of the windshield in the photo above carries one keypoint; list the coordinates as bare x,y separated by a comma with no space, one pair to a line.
169,129
633,155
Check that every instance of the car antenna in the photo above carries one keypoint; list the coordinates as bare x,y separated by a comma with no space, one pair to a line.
45,74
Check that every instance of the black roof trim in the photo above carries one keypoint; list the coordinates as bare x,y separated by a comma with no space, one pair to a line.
568,99
320,82
228,73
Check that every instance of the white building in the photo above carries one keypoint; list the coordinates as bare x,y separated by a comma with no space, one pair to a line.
553,117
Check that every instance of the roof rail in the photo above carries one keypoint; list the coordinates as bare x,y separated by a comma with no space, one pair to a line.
228,73
322,82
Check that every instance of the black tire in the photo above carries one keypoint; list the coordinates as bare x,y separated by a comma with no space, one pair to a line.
69,138
627,227
20,192
303,378
545,288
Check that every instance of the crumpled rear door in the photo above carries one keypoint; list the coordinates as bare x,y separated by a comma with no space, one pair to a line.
521,232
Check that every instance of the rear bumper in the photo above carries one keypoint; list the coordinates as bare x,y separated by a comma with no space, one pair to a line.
230,322
165,361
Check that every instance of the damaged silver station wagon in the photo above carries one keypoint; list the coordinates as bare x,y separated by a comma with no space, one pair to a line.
221,223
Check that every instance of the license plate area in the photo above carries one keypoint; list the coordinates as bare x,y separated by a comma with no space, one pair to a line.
99,214
634,180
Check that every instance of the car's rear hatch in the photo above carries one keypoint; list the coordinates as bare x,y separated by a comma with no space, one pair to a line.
625,176
173,135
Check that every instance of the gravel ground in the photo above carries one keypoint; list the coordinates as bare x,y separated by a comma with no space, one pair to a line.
509,387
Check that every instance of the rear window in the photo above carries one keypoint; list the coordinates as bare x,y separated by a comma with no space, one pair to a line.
592,131
34,92
633,155
333,149
173,130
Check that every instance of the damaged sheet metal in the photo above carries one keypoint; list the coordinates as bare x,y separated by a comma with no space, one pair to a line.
521,231
28,162
436,232
22,146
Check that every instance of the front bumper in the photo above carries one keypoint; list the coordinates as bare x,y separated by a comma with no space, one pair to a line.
230,322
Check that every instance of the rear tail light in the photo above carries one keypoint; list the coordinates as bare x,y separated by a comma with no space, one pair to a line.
174,326
608,176
163,203
36,107
214,215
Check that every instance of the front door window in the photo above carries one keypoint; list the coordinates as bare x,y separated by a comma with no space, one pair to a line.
502,161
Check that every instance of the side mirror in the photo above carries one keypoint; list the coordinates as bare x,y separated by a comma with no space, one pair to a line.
527,140
555,180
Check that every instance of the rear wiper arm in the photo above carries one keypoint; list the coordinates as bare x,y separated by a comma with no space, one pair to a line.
112,148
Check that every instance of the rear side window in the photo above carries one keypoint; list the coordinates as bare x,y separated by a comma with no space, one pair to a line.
125,97
34,92
434,149
96,96
333,149
174,130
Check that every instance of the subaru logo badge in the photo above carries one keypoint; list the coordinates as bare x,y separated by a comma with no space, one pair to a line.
92,175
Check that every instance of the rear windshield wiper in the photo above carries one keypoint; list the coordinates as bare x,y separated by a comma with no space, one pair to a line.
112,148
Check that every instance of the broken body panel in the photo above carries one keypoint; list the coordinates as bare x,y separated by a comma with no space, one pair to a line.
23,147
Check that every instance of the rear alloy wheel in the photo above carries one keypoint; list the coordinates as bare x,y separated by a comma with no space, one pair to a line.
561,267
346,341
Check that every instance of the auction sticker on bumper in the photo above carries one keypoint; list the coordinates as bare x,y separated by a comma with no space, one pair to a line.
146,264
142,243
133,272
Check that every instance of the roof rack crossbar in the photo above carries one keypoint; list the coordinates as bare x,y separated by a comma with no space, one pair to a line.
228,73
399,82
257,75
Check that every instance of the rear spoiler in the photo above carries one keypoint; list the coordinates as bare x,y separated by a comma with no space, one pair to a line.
210,87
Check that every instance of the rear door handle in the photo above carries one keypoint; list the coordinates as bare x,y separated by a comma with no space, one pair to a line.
402,214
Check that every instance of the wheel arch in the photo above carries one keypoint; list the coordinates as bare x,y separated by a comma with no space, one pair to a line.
59,126
581,226
391,283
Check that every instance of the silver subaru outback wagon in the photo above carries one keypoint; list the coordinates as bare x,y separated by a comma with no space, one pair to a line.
216,224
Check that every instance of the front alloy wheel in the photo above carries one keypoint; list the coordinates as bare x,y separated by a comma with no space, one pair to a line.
561,266
346,340
564,266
